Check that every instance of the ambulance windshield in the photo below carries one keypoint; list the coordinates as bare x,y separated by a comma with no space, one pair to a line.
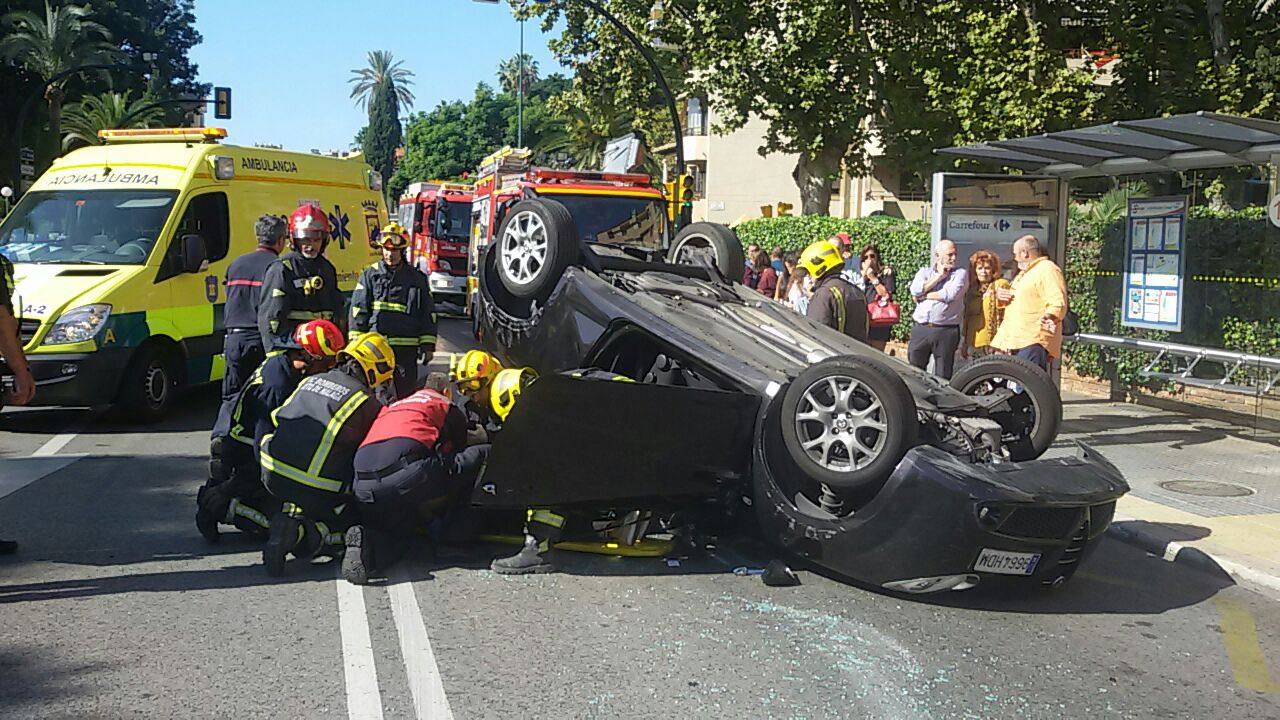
101,227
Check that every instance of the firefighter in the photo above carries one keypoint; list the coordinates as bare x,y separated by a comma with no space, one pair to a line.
472,372
303,284
393,298
836,303
234,493
413,467
307,460
242,348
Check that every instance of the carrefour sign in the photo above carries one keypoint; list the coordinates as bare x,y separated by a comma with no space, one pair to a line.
992,227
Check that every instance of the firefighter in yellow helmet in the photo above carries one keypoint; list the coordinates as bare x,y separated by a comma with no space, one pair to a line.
836,303
307,461
472,373
393,298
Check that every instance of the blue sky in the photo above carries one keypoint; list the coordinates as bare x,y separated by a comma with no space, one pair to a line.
288,61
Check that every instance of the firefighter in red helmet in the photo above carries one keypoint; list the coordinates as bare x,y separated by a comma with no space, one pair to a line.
302,285
234,494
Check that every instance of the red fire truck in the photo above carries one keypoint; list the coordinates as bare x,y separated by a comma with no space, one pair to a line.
438,214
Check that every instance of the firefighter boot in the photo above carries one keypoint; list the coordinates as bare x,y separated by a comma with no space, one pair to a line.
357,563
537,555
208,502
285,534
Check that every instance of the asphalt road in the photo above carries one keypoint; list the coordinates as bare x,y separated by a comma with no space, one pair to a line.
115,608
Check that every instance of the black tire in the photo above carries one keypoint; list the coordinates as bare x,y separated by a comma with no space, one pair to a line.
719,240
1033,417
536,241
897,415
149,385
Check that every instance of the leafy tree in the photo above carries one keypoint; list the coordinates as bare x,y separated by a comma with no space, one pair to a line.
383,135
62,39
383,71
581,137
509,73
106,111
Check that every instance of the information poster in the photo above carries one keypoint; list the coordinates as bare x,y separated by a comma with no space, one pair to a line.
1156,263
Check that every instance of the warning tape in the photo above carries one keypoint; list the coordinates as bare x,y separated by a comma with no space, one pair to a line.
1230,279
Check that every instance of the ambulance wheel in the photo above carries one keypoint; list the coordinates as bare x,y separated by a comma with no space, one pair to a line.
536,242
717,242
149,384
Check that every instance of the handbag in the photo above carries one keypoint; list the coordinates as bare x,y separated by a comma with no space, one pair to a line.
883,312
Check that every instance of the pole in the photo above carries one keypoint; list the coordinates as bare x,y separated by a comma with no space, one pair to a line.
520,87
657,74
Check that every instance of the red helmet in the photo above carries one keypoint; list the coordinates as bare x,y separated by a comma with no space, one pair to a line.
309,221
319,338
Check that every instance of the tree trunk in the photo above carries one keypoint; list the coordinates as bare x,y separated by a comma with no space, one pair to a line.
813,177
1218,33
54,96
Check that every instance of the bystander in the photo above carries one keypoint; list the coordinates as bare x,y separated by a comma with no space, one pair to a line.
1034,306
12,360
939,292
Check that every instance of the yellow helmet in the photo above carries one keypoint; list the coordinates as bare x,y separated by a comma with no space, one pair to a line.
472,369
372,351
507,385
821,258
393,237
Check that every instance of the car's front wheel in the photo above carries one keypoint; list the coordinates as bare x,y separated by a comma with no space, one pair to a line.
846,422
1032,412
536,242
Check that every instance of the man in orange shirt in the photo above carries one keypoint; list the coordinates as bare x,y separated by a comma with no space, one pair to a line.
1035,306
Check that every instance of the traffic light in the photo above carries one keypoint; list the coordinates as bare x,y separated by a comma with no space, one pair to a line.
669,189
222,103
684,199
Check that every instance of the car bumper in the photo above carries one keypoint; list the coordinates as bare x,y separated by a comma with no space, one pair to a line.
77,379
446,284
937,516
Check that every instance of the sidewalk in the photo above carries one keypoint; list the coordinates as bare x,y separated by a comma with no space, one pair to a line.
1204,492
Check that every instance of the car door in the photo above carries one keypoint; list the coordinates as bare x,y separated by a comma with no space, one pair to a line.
572,441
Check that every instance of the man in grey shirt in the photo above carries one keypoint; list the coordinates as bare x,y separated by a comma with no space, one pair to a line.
939,292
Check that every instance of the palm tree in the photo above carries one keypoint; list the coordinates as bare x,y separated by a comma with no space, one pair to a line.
108,111
383,68
509,73
47,46
582,138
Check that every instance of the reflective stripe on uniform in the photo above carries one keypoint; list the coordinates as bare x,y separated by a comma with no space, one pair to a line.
277,292
403,341
237,427
388,305
331,432
310,315
353,335
546,517
839,308
286,470
238,509
427,339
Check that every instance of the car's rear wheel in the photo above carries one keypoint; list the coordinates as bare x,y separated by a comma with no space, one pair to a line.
846,422
713,241
536,242
1031,416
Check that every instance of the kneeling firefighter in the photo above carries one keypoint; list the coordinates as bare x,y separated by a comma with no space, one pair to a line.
413,466
307,460
393,298
234,493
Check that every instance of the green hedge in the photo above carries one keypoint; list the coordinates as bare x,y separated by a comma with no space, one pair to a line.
1233,304
904,243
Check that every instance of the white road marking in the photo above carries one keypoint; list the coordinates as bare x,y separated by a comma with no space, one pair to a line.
54,444
17,473
364,702
429,700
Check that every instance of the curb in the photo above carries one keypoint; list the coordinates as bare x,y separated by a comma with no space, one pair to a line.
1191,557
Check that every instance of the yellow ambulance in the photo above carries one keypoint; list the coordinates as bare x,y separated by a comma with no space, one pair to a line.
120,254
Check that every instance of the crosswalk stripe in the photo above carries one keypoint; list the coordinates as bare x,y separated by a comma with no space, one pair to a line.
364,701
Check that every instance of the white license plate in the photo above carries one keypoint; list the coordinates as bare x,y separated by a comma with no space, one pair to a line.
1004,562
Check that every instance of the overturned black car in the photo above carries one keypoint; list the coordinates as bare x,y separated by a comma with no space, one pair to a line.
846,457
